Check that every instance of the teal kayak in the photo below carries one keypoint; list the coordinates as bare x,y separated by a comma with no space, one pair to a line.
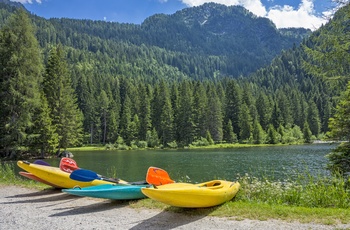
110,191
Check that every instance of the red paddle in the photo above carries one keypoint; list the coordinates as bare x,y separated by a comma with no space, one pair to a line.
68,165
158,176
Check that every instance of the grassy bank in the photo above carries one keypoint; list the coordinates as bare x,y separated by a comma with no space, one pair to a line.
308,199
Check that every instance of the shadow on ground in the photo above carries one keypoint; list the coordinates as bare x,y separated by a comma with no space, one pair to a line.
92,208
173,218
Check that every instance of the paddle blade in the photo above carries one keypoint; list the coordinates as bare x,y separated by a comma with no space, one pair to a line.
83,175
41,162
68,165
158,176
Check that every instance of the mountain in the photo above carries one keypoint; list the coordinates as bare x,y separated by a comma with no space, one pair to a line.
216,29
245,41
201,42
10,3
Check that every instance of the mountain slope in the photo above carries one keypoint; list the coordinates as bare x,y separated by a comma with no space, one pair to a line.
201,42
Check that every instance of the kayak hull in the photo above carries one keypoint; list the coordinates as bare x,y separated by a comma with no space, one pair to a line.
56,177
186,195
109,191
33,177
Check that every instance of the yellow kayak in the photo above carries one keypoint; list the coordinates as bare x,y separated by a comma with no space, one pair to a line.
56,176
188,195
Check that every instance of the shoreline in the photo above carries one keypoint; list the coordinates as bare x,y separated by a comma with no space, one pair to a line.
26,208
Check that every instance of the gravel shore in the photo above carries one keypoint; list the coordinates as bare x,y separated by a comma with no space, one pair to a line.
23,208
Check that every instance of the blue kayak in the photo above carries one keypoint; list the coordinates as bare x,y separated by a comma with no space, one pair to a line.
110,191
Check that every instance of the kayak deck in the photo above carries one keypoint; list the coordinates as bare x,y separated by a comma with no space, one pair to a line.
188,195
56,176
110,191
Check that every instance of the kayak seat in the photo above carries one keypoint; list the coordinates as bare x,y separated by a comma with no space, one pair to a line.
138,182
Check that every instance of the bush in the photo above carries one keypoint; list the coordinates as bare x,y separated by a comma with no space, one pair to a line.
173,144
201,142
142,144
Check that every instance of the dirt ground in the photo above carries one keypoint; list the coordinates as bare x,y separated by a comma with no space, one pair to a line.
22,208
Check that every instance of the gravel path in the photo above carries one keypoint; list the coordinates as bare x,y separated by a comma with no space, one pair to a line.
22,208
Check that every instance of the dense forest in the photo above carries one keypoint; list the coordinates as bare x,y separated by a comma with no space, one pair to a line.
173,81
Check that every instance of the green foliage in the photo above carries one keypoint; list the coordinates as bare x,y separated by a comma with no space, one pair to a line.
7,174
328,58
307,133
209,138
306,191
152,138
103,82
172,144
272,135
339,160
258,133
142,144
229,135
62,101
44,137
201,142
327,50
20,77
339,124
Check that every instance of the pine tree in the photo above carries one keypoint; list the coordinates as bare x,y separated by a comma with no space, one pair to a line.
62,100
214,114
152,138
87,103
166,131
104,104
185,119
233,103
162,115
339,124
272,136
264,110
328,58
20,75
113,122
200,103
126,119
229,135
44,135
258,133
145,112
307,133
313,119
245,124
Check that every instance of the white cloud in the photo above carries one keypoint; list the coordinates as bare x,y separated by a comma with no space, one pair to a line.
304,16
26,1
283,16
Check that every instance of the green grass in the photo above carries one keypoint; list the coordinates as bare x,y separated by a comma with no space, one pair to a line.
308,199
306,191
87,148
8,177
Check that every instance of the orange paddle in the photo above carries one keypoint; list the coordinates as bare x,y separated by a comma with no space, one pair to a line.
158,176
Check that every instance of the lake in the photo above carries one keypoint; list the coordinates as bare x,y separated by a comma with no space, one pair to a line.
274,162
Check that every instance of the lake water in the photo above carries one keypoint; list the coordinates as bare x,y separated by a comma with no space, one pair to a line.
275,162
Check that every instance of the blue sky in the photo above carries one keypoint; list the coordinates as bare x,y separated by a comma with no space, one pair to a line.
284,13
